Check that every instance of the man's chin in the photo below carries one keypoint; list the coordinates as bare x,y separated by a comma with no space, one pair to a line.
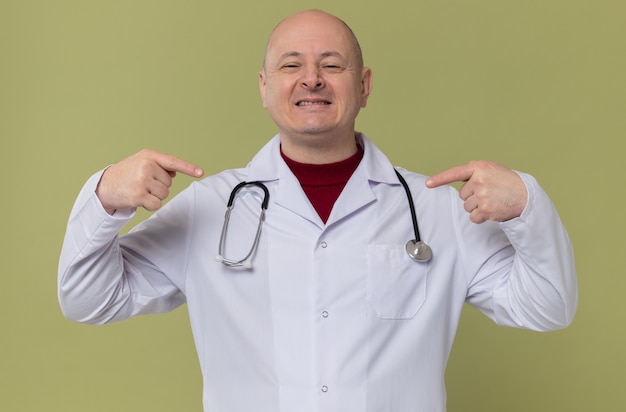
315,128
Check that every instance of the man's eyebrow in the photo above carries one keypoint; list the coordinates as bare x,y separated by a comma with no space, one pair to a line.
298,54
290,54
332,54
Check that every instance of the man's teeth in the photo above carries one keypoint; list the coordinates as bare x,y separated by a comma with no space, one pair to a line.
307,103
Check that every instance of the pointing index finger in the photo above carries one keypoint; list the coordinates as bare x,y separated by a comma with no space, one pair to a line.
455,174
176,164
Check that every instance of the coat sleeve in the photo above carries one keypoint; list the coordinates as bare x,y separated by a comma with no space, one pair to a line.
104,278
526,275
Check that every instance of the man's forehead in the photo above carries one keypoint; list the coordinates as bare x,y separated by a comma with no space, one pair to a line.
306,41
312,32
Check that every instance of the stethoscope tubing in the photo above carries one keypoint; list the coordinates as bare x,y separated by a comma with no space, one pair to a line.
409,196
245,262
415,248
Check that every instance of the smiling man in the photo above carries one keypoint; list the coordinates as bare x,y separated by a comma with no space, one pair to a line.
313,84
326,311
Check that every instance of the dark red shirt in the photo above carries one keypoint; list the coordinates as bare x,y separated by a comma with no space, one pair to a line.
323,183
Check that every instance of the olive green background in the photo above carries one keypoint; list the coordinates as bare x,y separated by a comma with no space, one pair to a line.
536,85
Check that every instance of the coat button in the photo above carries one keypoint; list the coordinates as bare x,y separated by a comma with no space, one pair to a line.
324,388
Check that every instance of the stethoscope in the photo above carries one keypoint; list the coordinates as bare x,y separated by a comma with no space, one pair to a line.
415,248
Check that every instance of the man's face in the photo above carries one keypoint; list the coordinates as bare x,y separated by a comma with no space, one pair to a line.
313,82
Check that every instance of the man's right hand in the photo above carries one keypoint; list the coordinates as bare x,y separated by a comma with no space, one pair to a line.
141,180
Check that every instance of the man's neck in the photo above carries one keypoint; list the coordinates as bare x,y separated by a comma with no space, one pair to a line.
316,151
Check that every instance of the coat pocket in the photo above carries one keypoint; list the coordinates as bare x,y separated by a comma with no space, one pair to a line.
396,283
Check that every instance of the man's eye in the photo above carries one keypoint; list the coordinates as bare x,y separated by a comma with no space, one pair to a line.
333,67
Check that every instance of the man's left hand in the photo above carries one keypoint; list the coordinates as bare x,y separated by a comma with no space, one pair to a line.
490,190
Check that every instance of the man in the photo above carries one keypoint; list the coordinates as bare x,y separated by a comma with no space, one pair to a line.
328,312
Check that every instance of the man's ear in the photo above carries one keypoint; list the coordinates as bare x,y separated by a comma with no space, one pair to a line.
366,85
262,84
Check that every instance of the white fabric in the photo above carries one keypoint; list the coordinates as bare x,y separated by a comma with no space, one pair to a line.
331,317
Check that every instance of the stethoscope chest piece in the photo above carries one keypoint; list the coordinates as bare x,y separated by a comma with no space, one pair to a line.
419,250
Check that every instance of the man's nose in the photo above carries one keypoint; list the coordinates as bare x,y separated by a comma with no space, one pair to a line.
312,79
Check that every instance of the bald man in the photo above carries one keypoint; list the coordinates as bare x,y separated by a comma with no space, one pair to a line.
313,303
